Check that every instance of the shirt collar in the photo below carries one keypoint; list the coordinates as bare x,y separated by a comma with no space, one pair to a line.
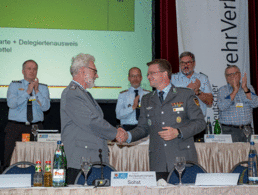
182,75
132,88
166,89
78,84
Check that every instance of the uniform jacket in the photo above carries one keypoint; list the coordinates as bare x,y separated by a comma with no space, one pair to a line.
83,128
181,110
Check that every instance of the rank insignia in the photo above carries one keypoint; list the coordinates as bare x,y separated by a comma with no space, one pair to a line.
178,119
73,87
196,101
21,89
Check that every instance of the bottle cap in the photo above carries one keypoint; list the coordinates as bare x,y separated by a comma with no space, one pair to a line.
38,162
48,161
252,143
208,117
59,142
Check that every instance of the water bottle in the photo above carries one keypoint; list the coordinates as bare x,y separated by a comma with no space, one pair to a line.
217,128
209,127
38,177
58,168
252,165
65,161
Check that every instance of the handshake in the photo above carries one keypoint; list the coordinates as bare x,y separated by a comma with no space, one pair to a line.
121,135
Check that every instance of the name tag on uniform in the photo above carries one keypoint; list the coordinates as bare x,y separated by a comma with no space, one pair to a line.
178,109
239,105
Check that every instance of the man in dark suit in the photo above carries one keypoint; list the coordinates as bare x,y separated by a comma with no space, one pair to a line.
171,116
83,128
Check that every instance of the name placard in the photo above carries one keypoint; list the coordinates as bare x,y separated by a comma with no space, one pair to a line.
147,178
225,138
44,137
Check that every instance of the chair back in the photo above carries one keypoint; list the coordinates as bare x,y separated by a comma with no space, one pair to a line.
243,170
14,169
95,173
188,175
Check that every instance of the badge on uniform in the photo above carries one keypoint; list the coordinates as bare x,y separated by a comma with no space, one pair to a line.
239,105
32,98
196,101
149,122
178,119
148,108
129,105
21,89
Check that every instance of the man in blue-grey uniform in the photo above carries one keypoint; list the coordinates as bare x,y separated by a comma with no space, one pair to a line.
27,99
129,101
83,128
171,116
198,82
236,101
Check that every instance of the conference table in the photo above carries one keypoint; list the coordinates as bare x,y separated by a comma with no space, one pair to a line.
126,190
214,157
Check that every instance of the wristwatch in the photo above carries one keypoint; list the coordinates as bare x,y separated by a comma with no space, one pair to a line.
248,91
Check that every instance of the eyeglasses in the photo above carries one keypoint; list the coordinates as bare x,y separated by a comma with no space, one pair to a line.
135,76
185,63
95,71
151,73
232,74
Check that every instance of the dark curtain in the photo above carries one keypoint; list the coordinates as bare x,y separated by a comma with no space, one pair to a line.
253,38
166,46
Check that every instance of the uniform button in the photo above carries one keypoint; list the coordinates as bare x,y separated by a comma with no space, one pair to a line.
148,115
163,123
86,146
188,146
165,144
162,112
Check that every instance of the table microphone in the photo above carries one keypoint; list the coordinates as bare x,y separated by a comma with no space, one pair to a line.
101,182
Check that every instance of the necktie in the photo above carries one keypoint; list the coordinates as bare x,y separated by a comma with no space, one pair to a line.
161,93
137,109
29,110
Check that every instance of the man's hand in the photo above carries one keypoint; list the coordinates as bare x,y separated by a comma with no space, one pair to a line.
235,85
36,85
135,102
244,82
121,135
30,88
169,133
195,85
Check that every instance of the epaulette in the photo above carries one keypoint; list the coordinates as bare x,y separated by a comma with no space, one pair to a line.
43,84
73,87
124,91
203,74
16,81
146,90
184,88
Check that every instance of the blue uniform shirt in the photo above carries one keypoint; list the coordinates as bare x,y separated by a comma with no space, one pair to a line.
239,111
17,98
180,80
124,110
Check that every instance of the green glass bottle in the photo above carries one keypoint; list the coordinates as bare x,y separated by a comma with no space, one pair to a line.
217,128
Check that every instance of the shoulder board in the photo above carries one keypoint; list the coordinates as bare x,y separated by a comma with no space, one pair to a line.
16,82
184,88
146,90
124,91
203,74
42,84
73,87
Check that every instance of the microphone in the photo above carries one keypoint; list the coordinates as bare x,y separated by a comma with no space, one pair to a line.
101,182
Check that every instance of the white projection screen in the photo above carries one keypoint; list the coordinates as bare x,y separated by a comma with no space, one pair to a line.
118,33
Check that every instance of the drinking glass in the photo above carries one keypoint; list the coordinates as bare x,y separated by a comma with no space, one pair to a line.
247,131
180,166
85,166
34,131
